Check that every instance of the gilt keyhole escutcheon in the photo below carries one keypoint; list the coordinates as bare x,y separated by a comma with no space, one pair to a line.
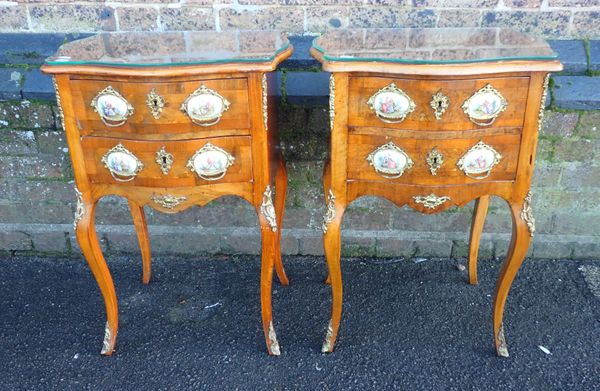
435,159
439,103
155,103
164,160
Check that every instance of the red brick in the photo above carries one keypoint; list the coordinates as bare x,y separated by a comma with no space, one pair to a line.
137,18
290,19
13,18
187,18
72,18
523,3
320,19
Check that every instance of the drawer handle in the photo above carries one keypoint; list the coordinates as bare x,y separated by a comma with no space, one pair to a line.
479,160
390,161
210,162
112,107
431,201
391,105
205,106
122,164
484,106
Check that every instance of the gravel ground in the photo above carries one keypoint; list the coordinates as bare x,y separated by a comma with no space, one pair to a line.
406,325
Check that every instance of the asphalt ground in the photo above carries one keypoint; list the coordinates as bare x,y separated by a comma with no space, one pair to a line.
406,325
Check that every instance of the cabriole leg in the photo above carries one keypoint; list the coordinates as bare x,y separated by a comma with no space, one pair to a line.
331,243
141,230
90,246
521,237
280,195
326,187
479,214
268,230
266,285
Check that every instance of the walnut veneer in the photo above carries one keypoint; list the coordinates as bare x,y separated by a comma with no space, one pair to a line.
122,99
436,150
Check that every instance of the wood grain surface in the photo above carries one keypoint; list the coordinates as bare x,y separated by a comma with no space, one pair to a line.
357,131
258,174
421,91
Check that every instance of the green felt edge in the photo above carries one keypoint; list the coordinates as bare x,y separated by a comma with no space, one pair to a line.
125,65
405,61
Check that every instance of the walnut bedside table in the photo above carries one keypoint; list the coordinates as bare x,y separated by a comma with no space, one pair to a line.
172,120
433,118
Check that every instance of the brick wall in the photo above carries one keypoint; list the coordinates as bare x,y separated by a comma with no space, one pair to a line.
549,18
36,183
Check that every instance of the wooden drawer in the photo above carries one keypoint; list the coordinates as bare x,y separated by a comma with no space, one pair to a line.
513,89
360,146
172,119
95,148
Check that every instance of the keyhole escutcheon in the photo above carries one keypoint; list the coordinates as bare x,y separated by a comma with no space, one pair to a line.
164,160
439,103
435,159
155,103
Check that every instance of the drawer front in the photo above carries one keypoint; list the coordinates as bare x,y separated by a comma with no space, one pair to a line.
418,157
169,163
413,99
156,108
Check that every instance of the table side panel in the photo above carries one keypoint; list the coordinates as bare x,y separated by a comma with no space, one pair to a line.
534,112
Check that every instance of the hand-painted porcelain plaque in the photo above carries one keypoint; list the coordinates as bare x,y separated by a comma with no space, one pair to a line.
390,161
484,106
112,108
478,161
210,162
205,106
391,104
122,164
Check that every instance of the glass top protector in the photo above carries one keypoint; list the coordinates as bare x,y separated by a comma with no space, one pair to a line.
172,48
432,45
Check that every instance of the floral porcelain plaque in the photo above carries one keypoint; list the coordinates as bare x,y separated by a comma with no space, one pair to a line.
122,164
477,162
391,104
210,162
205,106
112,108
390,161
484,106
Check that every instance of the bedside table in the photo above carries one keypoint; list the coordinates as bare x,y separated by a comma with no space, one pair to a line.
172,120
434,118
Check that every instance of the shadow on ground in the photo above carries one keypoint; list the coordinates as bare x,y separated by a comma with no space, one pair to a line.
406,325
